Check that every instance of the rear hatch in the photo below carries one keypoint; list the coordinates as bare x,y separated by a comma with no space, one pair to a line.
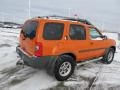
27,36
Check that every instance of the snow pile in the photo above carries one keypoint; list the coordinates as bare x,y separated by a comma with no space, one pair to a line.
113,36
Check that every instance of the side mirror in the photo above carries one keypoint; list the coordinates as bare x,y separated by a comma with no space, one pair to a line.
104,37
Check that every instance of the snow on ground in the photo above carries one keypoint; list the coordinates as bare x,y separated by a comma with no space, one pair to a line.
113,36
11,76
92,76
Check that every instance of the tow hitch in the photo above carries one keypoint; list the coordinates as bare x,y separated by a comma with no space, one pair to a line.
20,62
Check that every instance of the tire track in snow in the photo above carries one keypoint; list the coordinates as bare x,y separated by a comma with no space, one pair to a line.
15,75
7,73
92,81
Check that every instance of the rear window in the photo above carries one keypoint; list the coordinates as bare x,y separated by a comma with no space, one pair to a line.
53,31
29,29
77,32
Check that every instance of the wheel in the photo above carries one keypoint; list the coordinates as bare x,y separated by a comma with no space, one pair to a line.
109,55
64,67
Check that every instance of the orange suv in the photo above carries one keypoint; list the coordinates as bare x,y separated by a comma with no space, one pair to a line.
57,43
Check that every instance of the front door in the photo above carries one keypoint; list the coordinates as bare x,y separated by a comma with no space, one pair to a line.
97,43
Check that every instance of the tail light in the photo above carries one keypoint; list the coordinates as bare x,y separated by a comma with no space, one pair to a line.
38,49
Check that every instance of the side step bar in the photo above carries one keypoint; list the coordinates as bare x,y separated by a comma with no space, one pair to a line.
88,61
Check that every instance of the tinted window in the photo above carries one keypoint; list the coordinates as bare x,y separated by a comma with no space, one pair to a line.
94,33
29,29
53,31
77,32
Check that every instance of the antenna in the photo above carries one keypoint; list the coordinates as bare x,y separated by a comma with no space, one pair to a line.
69,12
29,9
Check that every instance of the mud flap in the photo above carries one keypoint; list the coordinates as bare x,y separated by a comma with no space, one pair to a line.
51,65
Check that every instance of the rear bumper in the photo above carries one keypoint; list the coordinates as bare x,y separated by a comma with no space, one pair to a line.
37,62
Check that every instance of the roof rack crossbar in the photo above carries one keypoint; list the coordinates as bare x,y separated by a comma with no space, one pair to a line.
67,18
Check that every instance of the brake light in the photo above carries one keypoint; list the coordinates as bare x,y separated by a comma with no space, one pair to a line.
38,49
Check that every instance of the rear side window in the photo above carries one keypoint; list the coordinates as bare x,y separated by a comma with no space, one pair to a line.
77,32
53,31
29,29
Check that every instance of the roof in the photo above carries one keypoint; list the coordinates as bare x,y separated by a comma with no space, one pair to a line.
84,21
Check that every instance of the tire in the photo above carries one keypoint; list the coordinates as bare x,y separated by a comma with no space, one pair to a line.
64,67
109,55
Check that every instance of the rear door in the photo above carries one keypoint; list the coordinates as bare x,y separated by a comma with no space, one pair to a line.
78,41
28,35
52,36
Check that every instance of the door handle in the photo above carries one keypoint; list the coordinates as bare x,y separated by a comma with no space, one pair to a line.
91,43
66,38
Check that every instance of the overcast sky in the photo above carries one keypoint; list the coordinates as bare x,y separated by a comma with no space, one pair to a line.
103,13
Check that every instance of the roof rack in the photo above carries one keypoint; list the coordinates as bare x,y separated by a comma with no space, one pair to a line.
67,18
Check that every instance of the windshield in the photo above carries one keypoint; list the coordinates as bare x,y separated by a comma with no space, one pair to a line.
29,29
